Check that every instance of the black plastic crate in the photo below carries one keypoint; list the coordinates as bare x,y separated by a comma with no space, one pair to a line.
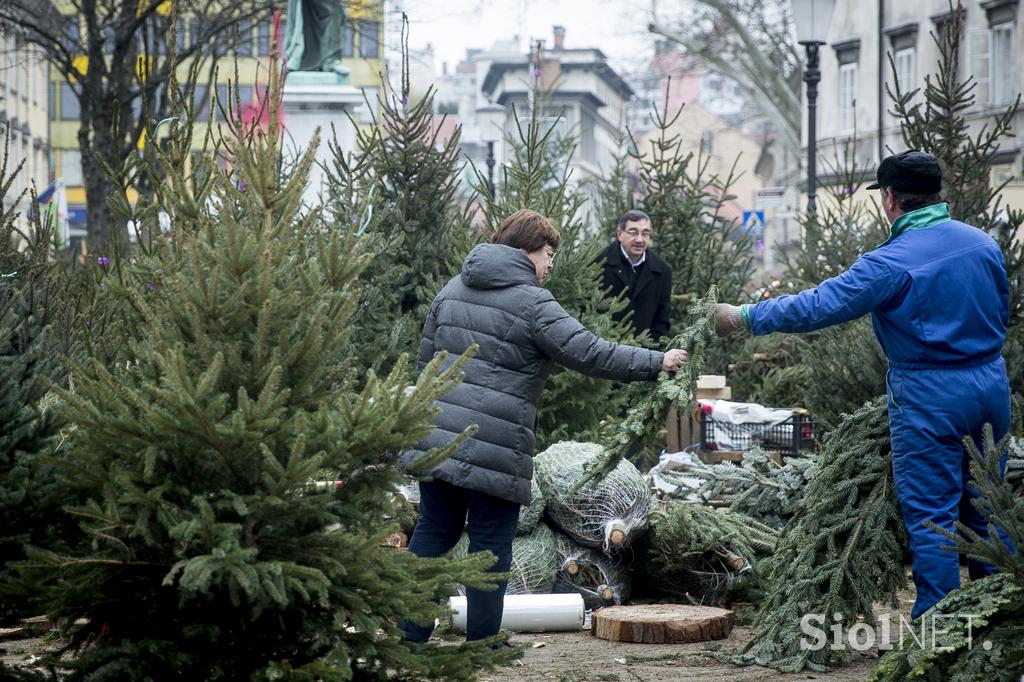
788,437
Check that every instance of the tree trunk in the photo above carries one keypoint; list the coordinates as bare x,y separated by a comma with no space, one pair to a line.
96,138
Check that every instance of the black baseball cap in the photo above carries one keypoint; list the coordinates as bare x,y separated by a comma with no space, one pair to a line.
911,171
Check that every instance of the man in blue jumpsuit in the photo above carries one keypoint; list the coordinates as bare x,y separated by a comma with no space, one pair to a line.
938,298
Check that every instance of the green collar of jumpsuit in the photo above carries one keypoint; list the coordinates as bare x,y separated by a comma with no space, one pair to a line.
921,219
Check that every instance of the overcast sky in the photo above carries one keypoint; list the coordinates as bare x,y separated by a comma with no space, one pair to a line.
618,27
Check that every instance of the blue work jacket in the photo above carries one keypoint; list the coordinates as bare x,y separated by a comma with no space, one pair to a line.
936,290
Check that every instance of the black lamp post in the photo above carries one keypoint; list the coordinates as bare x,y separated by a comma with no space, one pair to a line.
490,120
490,165
812,18
812,74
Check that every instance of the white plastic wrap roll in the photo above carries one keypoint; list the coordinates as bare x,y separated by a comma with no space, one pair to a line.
531,612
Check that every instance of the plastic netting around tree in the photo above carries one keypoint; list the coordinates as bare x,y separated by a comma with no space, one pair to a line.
610,513
698,552
534,561
600,580
530,513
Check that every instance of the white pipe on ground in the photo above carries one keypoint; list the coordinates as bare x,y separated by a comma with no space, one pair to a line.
530,612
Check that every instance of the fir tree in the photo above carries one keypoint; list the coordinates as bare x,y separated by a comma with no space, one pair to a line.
685,201
647,408
38,297
400,189
840,553
803,370
980,626
536,177
235,472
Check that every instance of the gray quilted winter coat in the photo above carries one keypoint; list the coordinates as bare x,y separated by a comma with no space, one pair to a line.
521,330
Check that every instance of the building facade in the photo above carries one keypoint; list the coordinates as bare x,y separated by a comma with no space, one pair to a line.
582,96
23,119
854,107
362,53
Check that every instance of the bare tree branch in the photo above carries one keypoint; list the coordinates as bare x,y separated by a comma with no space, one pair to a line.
750,42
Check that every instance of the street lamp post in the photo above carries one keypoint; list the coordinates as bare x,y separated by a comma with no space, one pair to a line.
490,120
812,74
812,18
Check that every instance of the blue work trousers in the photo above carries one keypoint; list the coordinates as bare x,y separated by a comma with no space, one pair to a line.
492,526
930,411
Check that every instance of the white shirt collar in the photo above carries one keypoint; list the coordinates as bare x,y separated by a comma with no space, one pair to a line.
630,260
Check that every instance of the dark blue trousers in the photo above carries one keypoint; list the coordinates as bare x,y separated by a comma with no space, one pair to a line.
492,526
930,411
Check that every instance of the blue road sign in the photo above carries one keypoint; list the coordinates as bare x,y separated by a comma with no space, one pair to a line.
753,222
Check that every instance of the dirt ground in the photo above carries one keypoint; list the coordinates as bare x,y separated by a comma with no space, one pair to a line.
579,657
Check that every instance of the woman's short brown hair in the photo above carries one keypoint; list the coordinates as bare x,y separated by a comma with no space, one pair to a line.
526,230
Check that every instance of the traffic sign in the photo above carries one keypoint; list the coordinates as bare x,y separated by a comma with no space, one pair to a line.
753,222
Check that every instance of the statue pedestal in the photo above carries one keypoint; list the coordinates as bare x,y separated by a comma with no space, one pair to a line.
316,100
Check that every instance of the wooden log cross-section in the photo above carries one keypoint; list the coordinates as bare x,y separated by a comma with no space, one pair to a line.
661,623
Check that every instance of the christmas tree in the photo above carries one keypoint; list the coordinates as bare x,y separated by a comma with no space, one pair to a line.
979,628
400,189
685,201
235,472
841,551
536,177
803,370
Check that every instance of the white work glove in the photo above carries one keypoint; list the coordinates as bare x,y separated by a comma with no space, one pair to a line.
673,360
728,319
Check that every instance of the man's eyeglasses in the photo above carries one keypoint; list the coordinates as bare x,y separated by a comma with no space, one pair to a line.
644,234
550,255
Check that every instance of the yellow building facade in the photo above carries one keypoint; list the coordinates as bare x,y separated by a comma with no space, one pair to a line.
362,53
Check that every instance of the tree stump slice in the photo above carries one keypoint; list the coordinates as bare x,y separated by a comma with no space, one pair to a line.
661,623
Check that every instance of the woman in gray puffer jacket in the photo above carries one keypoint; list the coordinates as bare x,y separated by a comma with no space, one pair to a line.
497,302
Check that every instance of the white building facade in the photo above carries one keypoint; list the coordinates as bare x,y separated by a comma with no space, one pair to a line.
854,106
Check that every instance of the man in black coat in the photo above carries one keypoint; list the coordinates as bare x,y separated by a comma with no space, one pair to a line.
629,264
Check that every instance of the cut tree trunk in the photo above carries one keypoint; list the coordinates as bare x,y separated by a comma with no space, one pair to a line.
661,623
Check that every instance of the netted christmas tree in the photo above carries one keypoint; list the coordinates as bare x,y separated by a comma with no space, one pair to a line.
235,473
840,553
600,580
400,188
536,176
610,513
534,560
529,514
977,629
697,553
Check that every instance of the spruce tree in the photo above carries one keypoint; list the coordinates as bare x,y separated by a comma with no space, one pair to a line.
685,201
536,176
803,370
235,473
38,330
400,189
841,551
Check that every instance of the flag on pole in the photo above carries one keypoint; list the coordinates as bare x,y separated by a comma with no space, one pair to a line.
55,201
